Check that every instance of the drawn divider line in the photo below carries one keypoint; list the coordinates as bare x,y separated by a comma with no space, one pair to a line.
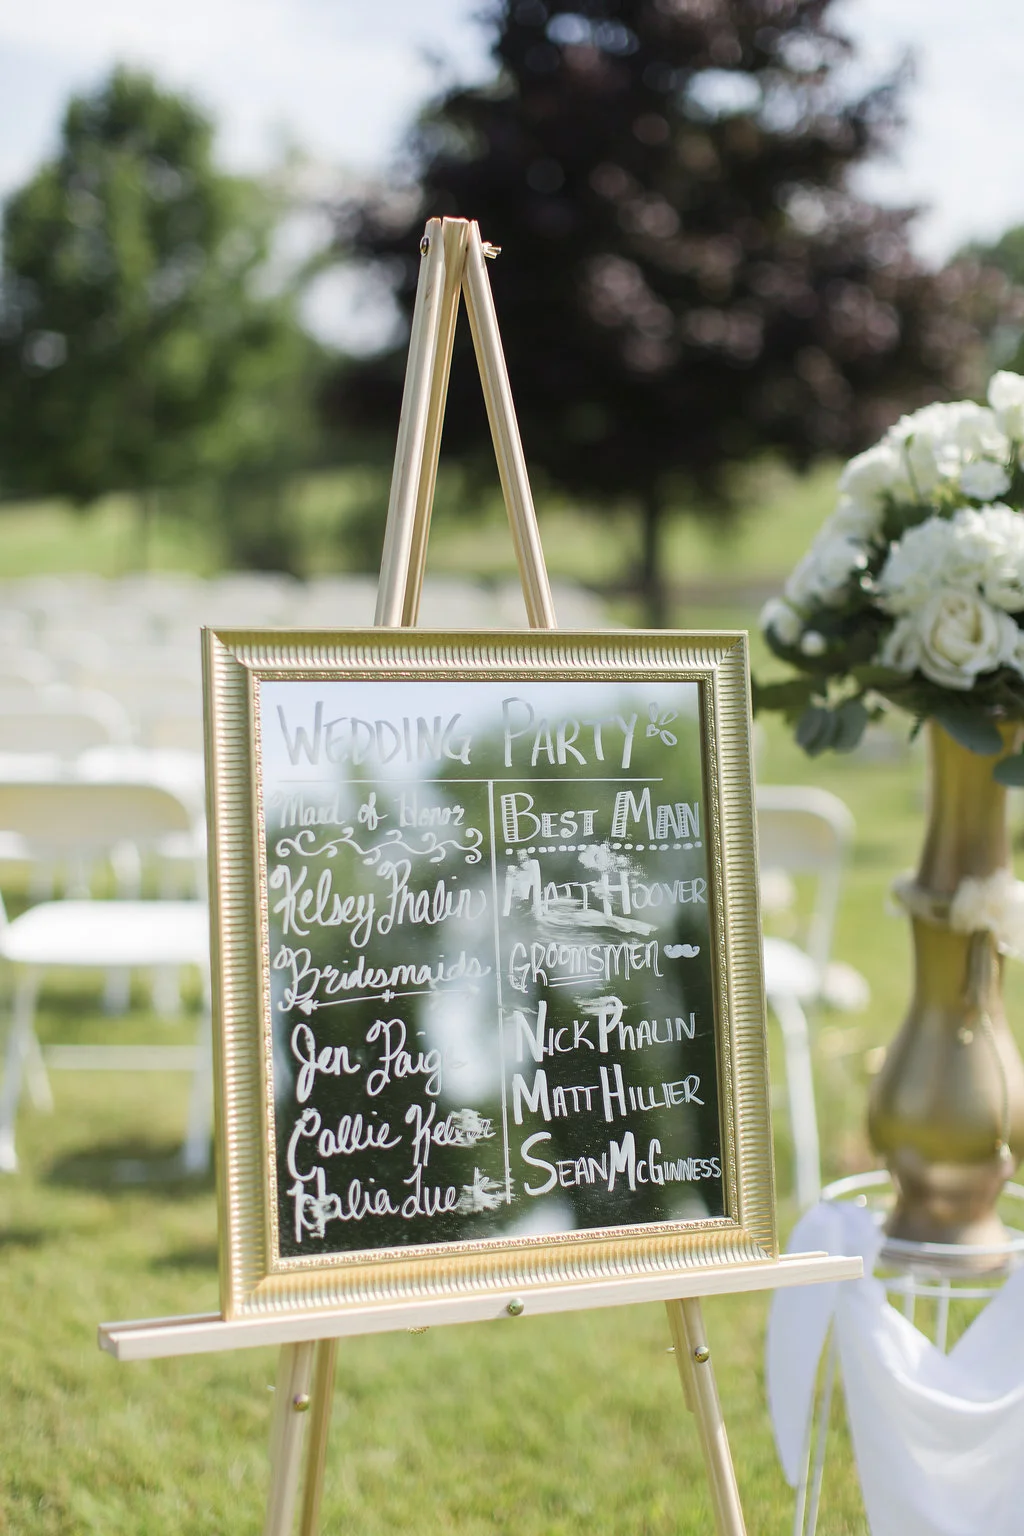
497,987
387,997
572,779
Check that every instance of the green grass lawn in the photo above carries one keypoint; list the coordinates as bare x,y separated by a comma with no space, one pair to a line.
109,539
568,1426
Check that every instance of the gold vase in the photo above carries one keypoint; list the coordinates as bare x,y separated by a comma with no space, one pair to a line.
947,1110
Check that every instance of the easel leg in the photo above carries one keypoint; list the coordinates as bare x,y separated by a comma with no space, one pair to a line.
319,1428
291,1401
693,1358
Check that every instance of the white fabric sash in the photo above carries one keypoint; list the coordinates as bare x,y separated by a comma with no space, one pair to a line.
938,1439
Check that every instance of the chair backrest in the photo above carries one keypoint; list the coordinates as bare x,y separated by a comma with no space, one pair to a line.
145,699
803,830
62,720
23,670
61,732
82,821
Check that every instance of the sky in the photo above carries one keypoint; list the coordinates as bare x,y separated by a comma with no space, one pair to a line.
342,78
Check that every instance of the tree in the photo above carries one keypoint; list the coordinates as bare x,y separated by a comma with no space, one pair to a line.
689,279
137,349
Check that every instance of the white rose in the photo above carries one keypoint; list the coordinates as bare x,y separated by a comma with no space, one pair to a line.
1006,397
824,571
782,620
952,638
813,643
984,480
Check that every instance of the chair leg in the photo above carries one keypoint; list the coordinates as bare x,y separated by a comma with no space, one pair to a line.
166,991
800,1085
117,991
20,1041
195,1154
36,1074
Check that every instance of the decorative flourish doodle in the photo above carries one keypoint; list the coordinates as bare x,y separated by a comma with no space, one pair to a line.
432,848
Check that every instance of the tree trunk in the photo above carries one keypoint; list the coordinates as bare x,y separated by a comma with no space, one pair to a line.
652,584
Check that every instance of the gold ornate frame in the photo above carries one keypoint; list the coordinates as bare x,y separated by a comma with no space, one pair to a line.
251,1284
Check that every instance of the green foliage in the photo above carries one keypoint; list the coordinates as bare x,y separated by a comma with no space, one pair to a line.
971,728
820,728
1010,771
137,346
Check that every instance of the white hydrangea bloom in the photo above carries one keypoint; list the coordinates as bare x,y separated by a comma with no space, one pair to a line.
954,583
1006,397
916,564
856,519
782,620
995,535
978,549
823,573
864,481
952,638
939,440
984,480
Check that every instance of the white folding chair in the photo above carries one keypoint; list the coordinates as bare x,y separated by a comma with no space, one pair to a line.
151,699
81,822
802,831
63,721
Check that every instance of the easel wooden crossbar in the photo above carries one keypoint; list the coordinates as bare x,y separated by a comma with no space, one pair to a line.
453,265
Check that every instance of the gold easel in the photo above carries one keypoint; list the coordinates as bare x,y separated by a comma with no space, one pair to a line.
454,264
453,256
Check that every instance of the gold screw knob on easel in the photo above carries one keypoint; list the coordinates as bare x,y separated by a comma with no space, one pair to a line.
702,1354
300,1402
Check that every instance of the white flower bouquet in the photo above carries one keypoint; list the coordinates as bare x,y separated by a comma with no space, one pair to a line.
912,592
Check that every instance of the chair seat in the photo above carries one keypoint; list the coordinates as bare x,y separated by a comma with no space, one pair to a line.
14,849
109,934
789,971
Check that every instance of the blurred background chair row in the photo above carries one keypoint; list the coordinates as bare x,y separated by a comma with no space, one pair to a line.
805,835
102,801
122,656
102,796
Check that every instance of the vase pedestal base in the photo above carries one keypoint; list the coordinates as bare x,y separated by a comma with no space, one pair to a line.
949,1205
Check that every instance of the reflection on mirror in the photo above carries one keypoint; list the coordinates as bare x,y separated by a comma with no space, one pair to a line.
489,949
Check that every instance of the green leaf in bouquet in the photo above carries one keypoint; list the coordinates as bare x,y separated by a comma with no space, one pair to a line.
883,679
971,729
815,730
790,653
849,722
1010,771
792,694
